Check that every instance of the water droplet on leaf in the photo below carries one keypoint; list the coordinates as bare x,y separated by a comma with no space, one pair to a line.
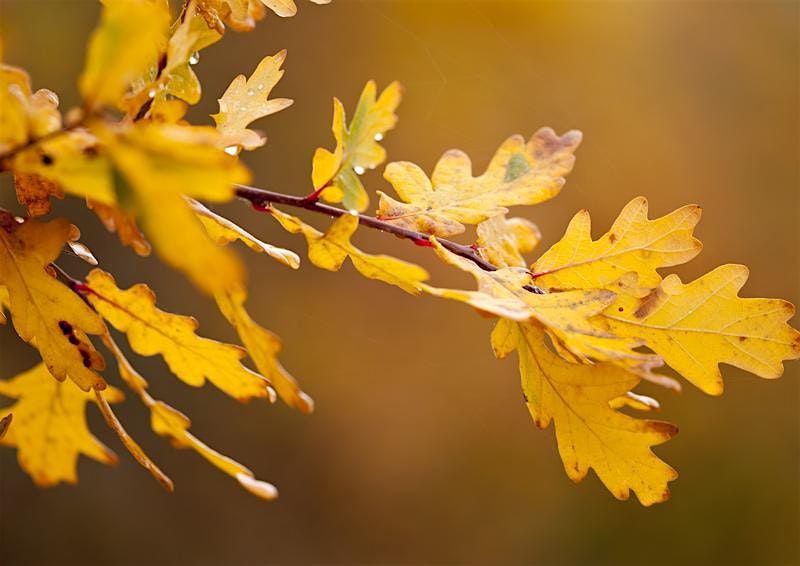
194,58
358,169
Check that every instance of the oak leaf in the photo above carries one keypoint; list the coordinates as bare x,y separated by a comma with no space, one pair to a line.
223,231
330,250
263,347
50,429
46,313
502,241
171,423
634,243
247,100
151,331
590,433
192,35
696,326
357,147
519,173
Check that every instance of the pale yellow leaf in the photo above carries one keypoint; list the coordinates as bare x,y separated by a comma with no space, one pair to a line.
223,231
519,173
247,100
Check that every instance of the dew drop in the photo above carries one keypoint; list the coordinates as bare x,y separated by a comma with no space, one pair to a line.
194,58
260,87
378,136
358,169
250,92
151,93
232,150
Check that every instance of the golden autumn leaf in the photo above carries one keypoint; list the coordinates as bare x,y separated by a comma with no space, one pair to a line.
171,423
357,147
698,325
330,250
162,163
590,433
634,243
192,35
247,100
151,331
503,293
263,348
73,162
502,241
519,173
45,312
223,231
50,429
119,51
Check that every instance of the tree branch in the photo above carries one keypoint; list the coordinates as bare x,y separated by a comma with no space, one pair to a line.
262,198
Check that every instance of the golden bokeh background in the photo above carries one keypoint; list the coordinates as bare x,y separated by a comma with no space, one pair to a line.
421,449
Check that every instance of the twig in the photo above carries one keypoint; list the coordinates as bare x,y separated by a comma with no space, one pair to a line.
262,198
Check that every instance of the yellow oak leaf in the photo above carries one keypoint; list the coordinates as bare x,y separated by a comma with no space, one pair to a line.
34,193
502,241
357,147
329,251
519,173
162,163
72,161
171,423
50,429
151,331
503,293
246,100
263,348
634,243
589,432
223,231
698,325
192,35
45,312
123,46
115,220
130,444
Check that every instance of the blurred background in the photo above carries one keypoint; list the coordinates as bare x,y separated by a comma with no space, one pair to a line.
421,449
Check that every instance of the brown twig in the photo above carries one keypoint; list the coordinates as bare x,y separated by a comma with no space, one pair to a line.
262,198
